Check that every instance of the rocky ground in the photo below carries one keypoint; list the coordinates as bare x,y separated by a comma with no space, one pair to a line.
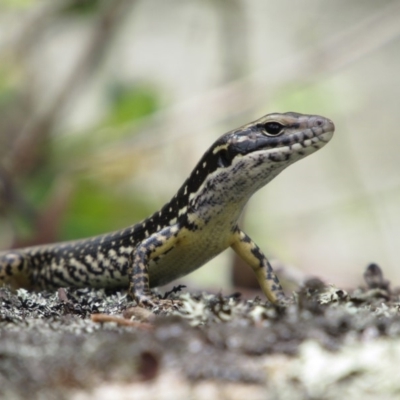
90,344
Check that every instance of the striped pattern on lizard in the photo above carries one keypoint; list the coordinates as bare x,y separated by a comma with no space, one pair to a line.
199,222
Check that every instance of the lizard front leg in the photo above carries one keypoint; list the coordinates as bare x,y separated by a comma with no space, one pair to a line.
154,246
252,255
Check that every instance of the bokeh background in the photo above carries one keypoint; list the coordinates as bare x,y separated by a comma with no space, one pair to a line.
106,106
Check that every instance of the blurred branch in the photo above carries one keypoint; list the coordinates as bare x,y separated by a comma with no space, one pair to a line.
40,124
47,223
28,151
11,199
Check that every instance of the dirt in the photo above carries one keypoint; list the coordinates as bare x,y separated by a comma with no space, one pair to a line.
91,344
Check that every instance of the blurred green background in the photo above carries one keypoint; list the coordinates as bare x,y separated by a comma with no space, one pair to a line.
105,107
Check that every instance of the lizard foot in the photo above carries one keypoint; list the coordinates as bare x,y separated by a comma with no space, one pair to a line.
156,304
284,302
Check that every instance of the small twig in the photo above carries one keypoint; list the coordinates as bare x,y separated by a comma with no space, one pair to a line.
175,289
101,318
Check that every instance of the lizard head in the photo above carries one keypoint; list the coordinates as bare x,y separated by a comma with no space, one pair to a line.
243,160
275,138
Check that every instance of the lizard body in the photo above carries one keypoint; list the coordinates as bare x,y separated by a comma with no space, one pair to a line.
199,222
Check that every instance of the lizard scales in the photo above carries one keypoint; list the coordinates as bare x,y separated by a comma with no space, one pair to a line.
198,223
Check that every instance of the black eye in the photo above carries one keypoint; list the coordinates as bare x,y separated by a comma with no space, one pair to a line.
272,128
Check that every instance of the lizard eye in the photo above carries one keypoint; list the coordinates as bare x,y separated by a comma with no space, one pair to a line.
272,128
